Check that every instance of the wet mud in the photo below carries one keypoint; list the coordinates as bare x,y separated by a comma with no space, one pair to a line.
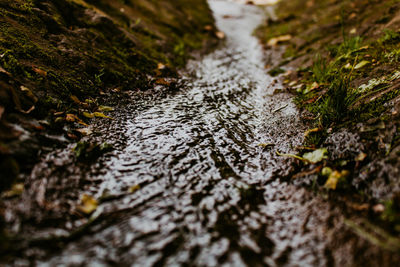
187,182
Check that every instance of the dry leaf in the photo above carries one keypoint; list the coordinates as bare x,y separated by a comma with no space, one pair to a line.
276,40
361,64
220,35
101,115
75,99
208,28
334,179
361,156
84,131
39,71
4,71
105,108
133,188
88,204
161,66
2,109
70,117
88,115
162,81
16,190
315,130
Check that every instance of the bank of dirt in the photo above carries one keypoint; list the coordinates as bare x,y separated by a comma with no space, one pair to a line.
65,64
61,60
340,59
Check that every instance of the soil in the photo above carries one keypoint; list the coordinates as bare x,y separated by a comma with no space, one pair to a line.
61,60
339,60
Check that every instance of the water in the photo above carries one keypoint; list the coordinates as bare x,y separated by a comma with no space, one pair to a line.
209,194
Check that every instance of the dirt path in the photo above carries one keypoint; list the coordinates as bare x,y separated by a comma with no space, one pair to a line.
203,192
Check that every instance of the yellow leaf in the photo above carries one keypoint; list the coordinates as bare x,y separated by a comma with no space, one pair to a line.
361,64
88,204
105,108
133,188
88,115
361,156
75,99
70,117
334,179
315,130
101,115
161,66
16,190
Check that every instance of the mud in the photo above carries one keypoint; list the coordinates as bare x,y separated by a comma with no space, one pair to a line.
187,182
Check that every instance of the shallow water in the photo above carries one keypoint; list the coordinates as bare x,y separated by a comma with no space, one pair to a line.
209,194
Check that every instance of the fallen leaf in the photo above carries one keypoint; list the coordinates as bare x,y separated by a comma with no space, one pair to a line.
105,108
316,156
72,136
70,117
27,111
361,64
88,115
39,71
326,171
4,71
133,188
378,208
306,173
220,35
315,130
280,39
290,156
75,99
84,131
16,190
208,28
334,178
88,204
29,93
161,66
2,109
101,115
59,119
361,156
162,81
73,118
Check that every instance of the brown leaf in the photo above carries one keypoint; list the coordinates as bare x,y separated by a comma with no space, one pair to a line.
208,28
84,131
70,117
280,39
2,109
4,71
220,35
39,71
75,99
162,81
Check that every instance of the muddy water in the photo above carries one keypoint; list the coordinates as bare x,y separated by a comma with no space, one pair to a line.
206,193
